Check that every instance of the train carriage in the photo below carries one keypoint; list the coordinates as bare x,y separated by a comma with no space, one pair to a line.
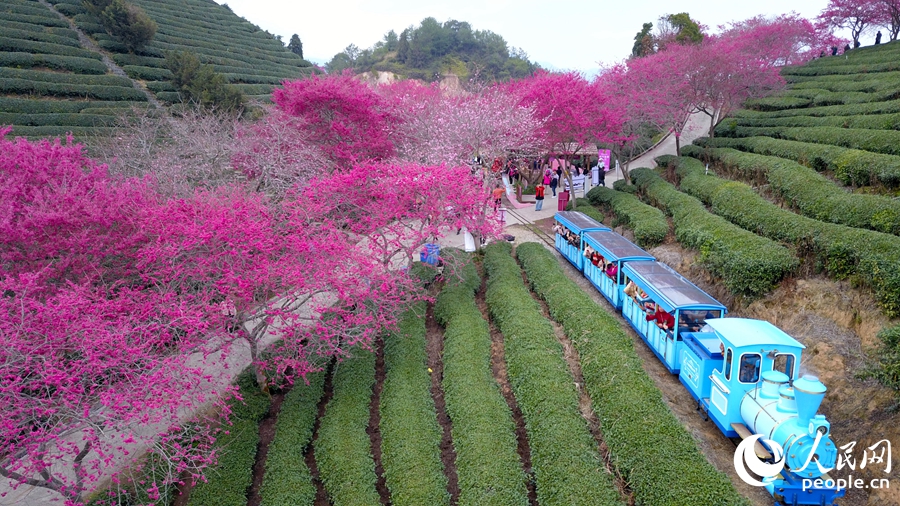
613,249
570,226
663,289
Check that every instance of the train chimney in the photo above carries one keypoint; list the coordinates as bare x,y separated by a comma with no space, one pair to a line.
809,392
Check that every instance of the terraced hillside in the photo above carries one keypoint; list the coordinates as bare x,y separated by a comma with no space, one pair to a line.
51,83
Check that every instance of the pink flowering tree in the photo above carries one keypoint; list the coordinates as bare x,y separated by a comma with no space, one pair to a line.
889,17
276,153
854,15
435,127
570,111
343,116
94,364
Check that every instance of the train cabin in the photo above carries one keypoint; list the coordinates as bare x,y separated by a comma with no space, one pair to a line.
611,248
664,295
569,227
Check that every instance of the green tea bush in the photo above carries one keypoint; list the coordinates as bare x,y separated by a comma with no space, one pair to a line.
885,366
33,132
586,207
490,472
812,194
61,119
872,257
287,481
876,141
777,103
649,223
35,20
54,77
567,467
34,106
747,263
850,166
147,73
867,121
227,483
71,63
30,46
42,88
655,454
40,37
410,434
890,106
343,449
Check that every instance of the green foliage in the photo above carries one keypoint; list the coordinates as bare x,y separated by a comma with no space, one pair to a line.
586,207
295,45
812,194
37,19
643,42
655,454
489,469
748,264
410,435
343,449
567,467
433,49
688,29
31,46
850,166
147,73
228,481
201,84
886,359
54,62
128,23
877,141
287,481
63,119
54,77
867,121
872,257
33,106
48,89
649,223
40,36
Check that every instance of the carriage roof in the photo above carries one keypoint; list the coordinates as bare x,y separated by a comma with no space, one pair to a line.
615,247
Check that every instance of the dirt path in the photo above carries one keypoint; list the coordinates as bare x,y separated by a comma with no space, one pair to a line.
89,44
434,347
374,428
498,368
309,453
573,361
266,435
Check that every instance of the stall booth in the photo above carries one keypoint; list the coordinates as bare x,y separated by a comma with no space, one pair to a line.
613,249
570,226
661,288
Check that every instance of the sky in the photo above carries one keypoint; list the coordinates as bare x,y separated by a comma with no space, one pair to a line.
564,35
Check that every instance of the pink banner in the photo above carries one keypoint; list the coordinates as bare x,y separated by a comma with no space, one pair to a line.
604,156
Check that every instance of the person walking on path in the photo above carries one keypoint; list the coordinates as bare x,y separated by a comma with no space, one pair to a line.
498,197
538,197
554,182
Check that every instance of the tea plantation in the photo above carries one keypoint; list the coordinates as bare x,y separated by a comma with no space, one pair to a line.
50,83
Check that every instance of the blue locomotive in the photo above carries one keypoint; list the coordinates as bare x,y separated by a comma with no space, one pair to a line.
742,372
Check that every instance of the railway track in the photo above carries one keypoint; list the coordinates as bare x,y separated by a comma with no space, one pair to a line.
544,236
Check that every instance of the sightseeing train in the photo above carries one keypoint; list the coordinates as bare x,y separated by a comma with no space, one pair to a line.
743,373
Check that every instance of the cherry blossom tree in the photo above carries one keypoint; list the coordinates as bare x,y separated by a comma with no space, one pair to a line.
348,120
94,364
571,112
436,127
854,15
890,16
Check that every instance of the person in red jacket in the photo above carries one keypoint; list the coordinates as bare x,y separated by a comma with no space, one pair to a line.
538,197
664,320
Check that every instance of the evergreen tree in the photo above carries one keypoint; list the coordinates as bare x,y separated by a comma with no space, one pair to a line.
295,45
643,42
403,47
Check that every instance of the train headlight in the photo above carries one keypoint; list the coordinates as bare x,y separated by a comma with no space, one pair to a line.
819,425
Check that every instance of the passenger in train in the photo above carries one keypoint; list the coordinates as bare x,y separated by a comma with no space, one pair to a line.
664,320
595,259
749,369
588,251
631,290
612,270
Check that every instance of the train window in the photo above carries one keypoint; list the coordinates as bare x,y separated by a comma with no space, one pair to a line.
728,356
784,362
750,363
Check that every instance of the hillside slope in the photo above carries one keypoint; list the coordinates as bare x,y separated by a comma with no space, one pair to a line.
51,83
